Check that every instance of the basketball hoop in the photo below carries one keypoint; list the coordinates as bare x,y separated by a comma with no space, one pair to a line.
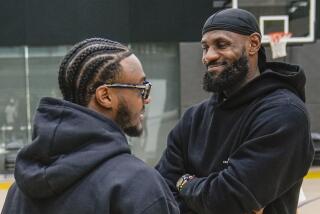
278,42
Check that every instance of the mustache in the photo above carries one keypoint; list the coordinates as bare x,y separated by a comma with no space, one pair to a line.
216,63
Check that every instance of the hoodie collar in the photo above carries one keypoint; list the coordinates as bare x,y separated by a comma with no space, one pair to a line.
68,142
277,75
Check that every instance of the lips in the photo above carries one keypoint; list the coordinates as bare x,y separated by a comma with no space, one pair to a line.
215,68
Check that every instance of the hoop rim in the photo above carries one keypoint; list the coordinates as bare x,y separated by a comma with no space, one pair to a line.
278,36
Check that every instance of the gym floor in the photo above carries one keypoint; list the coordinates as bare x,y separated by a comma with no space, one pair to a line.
310,186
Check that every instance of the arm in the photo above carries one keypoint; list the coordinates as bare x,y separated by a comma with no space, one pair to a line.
139,189
172,165
276,155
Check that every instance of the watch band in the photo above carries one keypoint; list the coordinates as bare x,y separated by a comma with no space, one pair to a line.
183,180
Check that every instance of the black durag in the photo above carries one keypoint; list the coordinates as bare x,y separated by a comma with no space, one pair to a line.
237,21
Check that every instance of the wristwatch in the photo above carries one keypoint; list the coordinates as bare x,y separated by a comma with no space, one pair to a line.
183,180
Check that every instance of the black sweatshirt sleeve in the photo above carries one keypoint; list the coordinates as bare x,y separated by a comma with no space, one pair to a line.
172,163
275,156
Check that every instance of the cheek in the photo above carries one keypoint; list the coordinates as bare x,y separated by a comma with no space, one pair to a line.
135,105
231,60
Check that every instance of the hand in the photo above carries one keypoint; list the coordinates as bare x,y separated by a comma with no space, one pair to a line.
259,211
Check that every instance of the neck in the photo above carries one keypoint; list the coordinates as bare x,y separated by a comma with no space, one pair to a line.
250,76
93,105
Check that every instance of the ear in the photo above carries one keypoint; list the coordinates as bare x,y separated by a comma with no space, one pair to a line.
254,43
103,96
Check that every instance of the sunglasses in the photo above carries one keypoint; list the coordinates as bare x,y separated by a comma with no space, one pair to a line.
144,88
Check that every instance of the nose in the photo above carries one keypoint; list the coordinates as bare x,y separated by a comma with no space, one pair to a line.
210,56
147,101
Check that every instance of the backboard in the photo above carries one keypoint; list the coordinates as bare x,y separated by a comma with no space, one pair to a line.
293,16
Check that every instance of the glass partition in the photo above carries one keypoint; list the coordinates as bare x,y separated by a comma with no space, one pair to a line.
43,75
13,114
29,73
161,65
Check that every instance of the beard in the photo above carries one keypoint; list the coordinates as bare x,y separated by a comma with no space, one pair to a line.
124,120
234,74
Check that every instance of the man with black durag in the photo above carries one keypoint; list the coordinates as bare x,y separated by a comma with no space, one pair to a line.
247,148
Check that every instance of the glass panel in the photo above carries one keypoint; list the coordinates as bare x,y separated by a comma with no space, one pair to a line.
13,113
43,75
161,65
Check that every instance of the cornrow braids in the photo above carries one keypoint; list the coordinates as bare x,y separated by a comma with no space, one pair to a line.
66,60
87,77
88,65
73,70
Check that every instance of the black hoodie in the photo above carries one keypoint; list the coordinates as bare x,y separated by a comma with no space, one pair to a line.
248,151
79,162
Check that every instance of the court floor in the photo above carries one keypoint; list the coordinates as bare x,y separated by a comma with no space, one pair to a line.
311,189
310,186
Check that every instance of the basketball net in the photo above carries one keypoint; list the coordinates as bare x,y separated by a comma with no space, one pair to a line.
278,42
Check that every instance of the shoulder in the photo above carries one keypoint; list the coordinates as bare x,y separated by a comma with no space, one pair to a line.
199,107
14,200
283,97
280,103
198,111
143,186
145,175
282,111
133,174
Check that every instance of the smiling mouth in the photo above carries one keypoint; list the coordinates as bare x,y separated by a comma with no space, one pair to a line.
141,118
214,68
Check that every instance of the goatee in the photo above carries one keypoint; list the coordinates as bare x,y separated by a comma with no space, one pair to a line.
234,74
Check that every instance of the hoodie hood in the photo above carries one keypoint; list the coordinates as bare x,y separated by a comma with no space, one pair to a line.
68,142
276,76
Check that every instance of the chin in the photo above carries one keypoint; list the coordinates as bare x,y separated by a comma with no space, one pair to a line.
134,131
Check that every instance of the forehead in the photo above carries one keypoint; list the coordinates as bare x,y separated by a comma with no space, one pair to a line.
221,34
132,71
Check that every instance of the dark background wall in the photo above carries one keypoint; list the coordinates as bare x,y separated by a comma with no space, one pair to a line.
308,57
43,22
59,22
191,72
36,22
